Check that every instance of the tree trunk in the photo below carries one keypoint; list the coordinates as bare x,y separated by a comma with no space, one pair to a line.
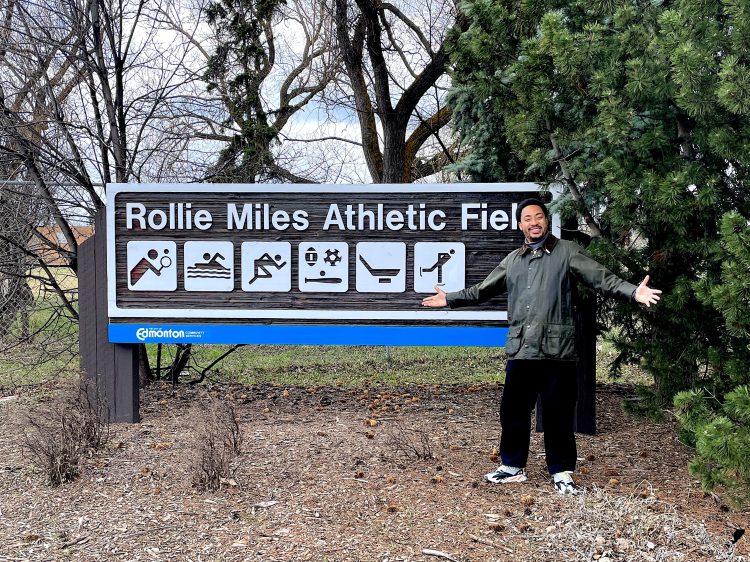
180,361
144,368
394,152
359,25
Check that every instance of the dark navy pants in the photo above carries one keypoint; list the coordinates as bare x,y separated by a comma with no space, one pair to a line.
555,382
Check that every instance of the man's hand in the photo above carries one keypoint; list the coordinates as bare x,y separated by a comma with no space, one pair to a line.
645,295
437,300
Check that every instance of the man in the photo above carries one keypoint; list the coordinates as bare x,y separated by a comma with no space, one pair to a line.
539,279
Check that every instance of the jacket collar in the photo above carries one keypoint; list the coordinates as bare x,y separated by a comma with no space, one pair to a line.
549,245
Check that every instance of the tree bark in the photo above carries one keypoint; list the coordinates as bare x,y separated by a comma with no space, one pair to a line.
144,368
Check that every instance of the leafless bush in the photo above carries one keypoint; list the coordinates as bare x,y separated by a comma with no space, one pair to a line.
218,443
411,443
58,435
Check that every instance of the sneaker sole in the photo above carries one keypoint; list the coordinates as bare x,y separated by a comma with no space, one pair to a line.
567,491
509,480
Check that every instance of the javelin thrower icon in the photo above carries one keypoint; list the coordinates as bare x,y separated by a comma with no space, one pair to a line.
146,265
442,259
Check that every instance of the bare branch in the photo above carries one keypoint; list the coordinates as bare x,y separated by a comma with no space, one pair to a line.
574,190
320,139
387,6
428,127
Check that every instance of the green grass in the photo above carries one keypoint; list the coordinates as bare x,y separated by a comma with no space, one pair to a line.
49,357
52,355
350,365
28,370
371,365
629,373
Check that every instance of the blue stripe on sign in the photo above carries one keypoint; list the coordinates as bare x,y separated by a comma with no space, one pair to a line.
307,335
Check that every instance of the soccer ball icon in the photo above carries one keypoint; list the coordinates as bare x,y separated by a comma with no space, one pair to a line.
332,258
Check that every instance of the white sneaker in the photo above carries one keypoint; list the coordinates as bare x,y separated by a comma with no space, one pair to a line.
564,484
505,475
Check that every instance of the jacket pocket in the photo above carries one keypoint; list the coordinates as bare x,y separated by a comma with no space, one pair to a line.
513,340
558,341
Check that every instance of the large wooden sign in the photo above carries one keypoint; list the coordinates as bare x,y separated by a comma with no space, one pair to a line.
306,263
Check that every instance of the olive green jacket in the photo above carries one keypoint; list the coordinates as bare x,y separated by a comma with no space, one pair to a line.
540,296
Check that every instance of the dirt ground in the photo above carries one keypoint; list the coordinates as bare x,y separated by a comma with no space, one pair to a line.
332,474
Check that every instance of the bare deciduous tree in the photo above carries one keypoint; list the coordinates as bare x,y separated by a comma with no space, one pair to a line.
88,95
93,92
263,63
395,60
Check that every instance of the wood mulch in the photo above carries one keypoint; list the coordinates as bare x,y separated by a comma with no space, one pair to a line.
375,474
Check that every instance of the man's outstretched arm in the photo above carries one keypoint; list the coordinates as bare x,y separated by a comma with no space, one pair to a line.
493,285
595,275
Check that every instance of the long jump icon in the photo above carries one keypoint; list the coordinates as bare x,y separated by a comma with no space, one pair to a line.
442,259
145,265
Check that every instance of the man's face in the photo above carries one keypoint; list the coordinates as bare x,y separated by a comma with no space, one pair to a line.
534,223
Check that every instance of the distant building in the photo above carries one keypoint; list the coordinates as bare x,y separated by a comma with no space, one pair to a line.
52,252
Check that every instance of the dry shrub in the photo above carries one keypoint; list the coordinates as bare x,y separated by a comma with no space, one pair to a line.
59,434
414,444
599,525
218,444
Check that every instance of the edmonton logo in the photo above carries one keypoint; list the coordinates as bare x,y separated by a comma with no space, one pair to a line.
145,333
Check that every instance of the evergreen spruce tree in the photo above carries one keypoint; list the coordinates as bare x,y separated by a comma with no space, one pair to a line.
640,109
262,82
720,431
237,70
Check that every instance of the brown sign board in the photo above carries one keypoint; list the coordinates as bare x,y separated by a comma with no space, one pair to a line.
211,263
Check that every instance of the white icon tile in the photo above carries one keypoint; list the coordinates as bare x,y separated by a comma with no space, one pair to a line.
209,266
381,267
323,267
441,264
266,266
152,265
